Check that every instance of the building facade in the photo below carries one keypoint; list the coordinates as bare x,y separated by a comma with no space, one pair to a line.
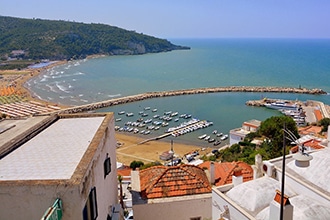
69,160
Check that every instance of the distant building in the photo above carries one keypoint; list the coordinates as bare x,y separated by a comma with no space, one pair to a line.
16,53
64,163
176,192
238,134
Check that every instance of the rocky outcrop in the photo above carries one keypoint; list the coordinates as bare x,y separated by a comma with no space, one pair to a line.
150,95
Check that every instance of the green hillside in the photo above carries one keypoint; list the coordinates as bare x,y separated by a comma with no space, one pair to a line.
56,40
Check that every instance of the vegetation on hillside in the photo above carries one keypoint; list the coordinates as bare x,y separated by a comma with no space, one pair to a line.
56,40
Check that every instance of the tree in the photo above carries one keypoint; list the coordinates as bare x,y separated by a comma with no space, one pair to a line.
324,122
272,129
136,164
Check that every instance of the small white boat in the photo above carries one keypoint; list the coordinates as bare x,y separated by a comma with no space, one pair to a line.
121,112
224,137
154,110
202,136
129,114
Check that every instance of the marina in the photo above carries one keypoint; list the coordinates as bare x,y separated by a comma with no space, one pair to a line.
160,127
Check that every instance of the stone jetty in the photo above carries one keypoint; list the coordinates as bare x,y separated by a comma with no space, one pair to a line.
150,95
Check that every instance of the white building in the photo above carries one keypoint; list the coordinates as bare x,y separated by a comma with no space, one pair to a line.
238,134
68,161
307,189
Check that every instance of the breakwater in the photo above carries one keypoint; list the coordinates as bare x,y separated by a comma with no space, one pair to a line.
150,95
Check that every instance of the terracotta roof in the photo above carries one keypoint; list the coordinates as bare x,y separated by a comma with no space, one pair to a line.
318,114
277,198
161,181
224,171
312,143
125,171
309,130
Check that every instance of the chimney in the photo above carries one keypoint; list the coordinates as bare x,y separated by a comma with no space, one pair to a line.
212,173
257,168
135,180
275,208
237,176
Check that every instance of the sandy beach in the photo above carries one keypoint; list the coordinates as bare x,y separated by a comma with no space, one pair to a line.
129,149
17,79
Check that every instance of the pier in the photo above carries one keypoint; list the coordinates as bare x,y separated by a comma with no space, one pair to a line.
181,130
150,95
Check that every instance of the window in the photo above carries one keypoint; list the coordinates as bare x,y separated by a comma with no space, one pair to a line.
107,166
196,218
90,209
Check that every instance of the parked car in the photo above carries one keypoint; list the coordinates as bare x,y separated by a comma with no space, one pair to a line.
130,215
215,151
175,162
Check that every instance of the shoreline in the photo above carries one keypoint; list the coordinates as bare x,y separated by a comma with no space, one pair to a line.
22,76
130,148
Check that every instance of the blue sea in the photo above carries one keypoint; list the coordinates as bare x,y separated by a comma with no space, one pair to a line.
209,63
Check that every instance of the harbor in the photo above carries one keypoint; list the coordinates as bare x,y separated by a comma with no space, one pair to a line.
152,125
303,113
161,94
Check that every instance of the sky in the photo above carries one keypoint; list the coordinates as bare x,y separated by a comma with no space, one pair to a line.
188,18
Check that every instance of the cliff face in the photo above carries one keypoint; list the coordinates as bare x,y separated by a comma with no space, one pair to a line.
66,40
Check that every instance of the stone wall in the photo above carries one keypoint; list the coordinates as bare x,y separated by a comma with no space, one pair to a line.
150,95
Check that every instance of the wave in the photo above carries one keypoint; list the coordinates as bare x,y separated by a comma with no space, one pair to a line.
51,88
112,96
61,87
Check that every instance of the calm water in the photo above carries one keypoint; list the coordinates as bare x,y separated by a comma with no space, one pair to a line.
210,63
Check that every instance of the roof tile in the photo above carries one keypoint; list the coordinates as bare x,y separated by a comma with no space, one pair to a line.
160,181
224,171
